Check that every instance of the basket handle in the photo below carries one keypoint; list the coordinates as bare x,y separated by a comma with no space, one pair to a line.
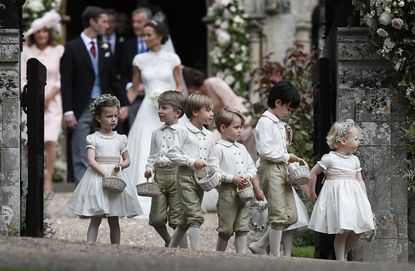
249,184
304,162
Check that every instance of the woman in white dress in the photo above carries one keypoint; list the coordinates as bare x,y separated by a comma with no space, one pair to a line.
153,73
342,207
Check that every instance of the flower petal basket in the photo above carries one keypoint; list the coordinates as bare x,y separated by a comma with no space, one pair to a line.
210,181
299,173
113,184
246,193
148,189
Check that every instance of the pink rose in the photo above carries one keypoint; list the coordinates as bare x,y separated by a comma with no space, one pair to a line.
397,23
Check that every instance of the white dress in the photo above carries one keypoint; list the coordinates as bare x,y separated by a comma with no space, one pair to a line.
157,76
342,204
89,198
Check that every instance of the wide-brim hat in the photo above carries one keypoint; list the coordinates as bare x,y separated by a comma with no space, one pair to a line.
50,20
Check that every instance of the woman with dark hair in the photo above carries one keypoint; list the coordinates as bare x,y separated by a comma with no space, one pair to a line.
154,72
41,44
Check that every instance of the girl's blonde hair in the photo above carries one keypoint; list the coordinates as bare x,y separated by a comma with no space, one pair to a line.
338,132
105,100
225,116
196,101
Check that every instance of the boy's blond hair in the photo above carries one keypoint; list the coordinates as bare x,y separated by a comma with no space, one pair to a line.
196,101
338,131
226,115
173,98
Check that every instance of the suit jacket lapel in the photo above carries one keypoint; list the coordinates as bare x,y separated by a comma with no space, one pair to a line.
83,51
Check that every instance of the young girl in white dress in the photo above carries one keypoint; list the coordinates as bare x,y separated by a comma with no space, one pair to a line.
342,207
107,155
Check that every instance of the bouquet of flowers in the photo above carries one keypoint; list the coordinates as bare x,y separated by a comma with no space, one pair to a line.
392,27
230,51
154,97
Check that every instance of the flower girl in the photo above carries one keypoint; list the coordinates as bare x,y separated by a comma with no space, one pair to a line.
342,207
107,155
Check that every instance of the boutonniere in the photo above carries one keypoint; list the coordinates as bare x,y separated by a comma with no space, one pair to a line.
107,54
105,46
121,40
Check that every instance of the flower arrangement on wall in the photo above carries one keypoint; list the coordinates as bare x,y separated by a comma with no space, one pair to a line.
230,51
33,9
392,28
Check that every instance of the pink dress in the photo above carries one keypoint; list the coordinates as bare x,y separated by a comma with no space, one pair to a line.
50,57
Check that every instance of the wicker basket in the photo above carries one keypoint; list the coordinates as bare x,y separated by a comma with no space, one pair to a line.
246,193
210,181
148,189
299,173
113,184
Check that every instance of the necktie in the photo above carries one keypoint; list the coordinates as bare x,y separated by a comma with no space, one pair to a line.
93,50
142,48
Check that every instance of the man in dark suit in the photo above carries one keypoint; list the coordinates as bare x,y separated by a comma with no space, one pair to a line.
130,49
87,71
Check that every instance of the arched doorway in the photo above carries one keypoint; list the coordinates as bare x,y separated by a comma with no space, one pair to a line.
184,17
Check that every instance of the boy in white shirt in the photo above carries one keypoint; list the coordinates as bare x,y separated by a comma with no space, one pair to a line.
270,139
237,170
166,207
192,150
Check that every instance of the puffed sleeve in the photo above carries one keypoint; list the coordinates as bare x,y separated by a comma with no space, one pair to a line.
358,167
325,162
175,60
91,141
138,61
123,143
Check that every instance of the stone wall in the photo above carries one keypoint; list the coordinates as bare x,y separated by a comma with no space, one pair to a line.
365,94
9,132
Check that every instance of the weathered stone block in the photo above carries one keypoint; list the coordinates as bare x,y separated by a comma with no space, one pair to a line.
9,52
378,250
382,202
11,209
398,133
387,226
10,167
375,133
9,82
11,122
374,107
9,36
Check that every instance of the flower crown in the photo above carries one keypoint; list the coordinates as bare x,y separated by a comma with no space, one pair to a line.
344,129
103,100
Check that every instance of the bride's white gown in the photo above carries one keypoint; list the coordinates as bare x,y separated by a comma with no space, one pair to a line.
157,76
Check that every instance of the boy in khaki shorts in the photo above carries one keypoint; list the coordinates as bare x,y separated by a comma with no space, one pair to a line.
166,207
192,152
270,139
237,169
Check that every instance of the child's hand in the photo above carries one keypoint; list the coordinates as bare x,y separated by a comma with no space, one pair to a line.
199,164
312,197
239,181
293,158
148,174
260,196
117,169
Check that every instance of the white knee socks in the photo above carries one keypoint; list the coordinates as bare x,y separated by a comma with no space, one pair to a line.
92,233
221,244
177,237
183,242
339,246
194,237
164,234
287,242
275,242
240,244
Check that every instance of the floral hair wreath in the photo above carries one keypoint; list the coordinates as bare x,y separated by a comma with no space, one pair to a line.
101,100
344,129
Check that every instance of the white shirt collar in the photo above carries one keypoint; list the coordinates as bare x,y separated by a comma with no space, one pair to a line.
173,126
87,40
271,116
227,143
194,129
